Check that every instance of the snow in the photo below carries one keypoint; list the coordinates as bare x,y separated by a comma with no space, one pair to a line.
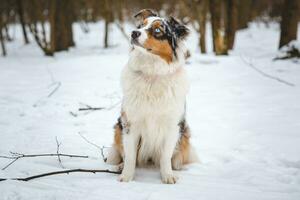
286,51
245,126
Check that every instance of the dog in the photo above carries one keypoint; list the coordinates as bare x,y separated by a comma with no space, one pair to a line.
152,128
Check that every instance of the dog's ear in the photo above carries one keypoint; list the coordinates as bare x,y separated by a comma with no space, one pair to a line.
145,13
180,29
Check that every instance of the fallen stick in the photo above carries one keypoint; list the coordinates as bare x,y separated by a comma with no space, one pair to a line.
16,156
251,65
95,145
58,84
91,108
57,152
62,172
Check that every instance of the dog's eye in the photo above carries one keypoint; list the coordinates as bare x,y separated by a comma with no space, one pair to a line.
139,26
157,30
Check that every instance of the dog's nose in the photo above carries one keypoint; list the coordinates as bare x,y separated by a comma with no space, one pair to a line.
135,34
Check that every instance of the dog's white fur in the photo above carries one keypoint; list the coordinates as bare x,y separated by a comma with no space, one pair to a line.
154,102
154,98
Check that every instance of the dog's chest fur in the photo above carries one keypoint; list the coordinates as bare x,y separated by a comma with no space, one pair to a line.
153,103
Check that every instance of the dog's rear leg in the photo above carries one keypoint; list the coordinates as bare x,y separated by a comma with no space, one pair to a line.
115,155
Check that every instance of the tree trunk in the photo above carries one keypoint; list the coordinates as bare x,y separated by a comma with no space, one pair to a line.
7,36
108,18
22,21
289,22
70,20
61,25
218,39
202,25
232,22
106,27
34,18
2,41
244,8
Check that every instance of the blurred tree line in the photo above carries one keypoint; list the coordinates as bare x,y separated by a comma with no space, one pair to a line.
50,21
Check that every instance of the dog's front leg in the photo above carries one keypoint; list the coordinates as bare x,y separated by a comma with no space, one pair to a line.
130,142
169,145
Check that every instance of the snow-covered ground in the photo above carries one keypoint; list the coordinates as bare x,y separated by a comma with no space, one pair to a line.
245,126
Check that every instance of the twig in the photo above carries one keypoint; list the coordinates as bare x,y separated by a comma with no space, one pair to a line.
62,172
58,84
91,108
57,151
73,114
95,145
250,64
102,153
16,156
9,164
86,105
121,28
114,105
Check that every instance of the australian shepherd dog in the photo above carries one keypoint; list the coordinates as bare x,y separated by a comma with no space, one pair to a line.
152,127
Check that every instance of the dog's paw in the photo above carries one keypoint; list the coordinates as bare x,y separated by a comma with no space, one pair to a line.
125,178
120,167
169,178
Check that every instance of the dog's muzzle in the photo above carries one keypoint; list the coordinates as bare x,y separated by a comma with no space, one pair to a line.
135,34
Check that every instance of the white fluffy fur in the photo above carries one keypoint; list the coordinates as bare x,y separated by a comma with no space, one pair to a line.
154,98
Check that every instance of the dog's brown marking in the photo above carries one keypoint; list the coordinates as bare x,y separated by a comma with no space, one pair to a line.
145,13
145,22
157,46
118,144
181,154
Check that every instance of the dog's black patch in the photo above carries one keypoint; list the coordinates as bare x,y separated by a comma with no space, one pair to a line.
172,31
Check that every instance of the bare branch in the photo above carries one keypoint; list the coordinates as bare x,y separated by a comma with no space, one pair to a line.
9,164
73,114
88,141
102,153
95,145
57,151
250,64
121,28
91,108
58,84
16,156
62,172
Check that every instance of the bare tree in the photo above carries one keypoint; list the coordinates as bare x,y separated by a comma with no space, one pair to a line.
219,45
232,21
61,25
2,40
289,22
108,18
36,25
244,7
20,9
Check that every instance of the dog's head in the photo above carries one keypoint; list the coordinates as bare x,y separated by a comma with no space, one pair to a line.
157,35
